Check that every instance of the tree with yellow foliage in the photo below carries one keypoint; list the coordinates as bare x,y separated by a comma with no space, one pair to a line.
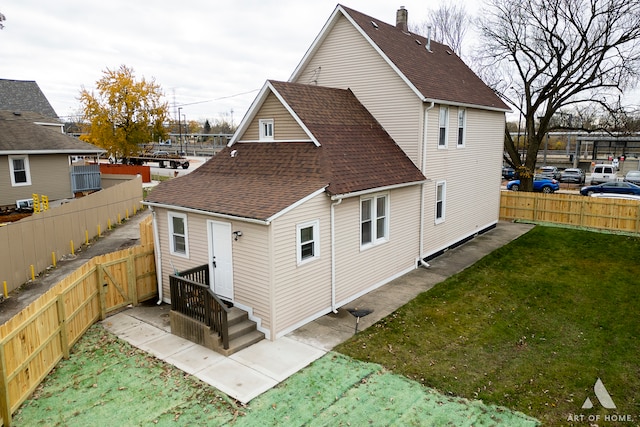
124,113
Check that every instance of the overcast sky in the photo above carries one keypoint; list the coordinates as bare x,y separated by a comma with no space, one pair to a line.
209,56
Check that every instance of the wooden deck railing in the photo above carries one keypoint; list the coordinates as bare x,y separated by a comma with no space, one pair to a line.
192,296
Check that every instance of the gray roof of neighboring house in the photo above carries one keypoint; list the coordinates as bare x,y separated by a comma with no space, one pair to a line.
32,133
24,95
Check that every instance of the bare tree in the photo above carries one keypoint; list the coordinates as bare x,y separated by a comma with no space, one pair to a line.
448,24
2,18
549,55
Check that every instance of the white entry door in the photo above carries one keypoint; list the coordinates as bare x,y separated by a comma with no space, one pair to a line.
220,262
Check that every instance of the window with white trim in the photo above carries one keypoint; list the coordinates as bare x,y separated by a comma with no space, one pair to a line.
374,220
462,121
266,129
308,241
441,193
443,127
19,169
178,235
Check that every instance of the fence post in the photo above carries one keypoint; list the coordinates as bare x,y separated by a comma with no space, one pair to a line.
131,278
5,401
62,320
102,301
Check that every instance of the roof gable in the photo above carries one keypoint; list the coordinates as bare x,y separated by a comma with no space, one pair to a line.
351,153
24,95
436,74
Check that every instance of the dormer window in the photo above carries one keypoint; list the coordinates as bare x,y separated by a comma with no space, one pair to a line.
266,129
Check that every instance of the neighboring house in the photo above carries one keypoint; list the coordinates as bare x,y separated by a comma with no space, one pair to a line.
24,95
36,157
382,151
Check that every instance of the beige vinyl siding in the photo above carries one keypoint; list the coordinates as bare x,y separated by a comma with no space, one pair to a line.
359,270
252,270
346,60
50,176
285,128
301,291
251,273
471,173
197,246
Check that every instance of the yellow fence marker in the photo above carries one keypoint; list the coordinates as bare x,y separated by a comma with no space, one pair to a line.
4,285
72,251
33,274
36,203
109,223
86,236
127,214
119,219
53,258
99,233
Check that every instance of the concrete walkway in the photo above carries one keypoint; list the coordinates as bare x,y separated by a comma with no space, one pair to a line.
256,369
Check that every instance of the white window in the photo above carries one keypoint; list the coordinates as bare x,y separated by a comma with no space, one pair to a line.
308,241
19,168
444,121
178,235
374,220
266,129
440,201
462,119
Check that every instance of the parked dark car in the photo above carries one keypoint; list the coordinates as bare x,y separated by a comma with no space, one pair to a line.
508,173
550,172
573,175
540,183
633,177
611,187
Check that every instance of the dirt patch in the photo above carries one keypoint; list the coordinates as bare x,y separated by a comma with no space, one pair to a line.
13,216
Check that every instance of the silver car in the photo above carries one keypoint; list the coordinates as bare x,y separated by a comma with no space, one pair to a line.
633,177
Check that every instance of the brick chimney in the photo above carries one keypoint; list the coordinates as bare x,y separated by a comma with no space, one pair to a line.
401,19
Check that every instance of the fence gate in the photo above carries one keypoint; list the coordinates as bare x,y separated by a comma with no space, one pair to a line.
119,283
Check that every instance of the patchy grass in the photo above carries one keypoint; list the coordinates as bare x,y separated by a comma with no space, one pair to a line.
532,327
106,381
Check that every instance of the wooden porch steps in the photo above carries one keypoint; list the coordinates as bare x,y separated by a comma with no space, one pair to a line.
242,333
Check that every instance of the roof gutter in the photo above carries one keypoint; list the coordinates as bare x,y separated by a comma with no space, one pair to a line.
466,105
71,152
376,190
333,254
206,213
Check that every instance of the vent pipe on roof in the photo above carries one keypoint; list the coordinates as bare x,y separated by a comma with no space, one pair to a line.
428,38
402,16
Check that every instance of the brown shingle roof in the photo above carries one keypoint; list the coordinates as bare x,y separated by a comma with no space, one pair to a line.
262,179
439,75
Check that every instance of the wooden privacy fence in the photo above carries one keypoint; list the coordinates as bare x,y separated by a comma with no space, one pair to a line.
599,213
34,341
31,245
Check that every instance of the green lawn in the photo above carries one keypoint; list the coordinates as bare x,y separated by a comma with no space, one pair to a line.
532,327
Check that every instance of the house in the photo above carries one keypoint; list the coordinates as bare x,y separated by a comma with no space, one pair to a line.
25,95
380,152
35,158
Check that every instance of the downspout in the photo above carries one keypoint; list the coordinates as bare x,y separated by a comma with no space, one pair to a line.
333,255
156,243
422,201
